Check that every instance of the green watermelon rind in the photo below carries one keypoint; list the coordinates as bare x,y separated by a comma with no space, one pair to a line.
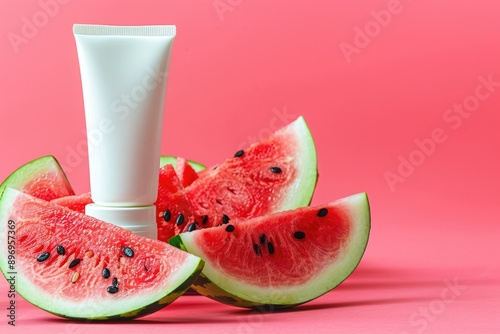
172,160
155,306
33,169
220,287
302,190
137,306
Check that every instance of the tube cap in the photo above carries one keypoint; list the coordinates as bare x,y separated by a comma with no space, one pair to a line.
138,219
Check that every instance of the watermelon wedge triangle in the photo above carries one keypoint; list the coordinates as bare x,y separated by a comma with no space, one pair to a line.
275,174
283,259
76,266
42,178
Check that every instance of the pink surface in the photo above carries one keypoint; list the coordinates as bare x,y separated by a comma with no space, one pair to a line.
402,98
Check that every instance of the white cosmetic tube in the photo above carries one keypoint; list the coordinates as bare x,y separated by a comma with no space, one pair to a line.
124,75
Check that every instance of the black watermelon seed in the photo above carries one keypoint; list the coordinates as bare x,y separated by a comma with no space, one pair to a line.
262,239
276,170
299,235
322,212
74,263
225,219
270,248
106,273
112,289
215,168
239,153
191,227
167,215
128,252
204,219
42,257
256,249
180,219
115,281
230,228
60,250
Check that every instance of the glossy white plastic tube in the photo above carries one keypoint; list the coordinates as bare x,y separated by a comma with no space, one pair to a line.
124,75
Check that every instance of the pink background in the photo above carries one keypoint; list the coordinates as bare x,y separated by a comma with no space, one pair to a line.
372,78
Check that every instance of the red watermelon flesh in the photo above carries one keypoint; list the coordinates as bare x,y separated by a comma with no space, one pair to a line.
75,202
276,174
79,267
185,172
174,210
42,178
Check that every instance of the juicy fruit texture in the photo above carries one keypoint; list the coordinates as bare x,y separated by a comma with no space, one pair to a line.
174,212
283,259
42,178
76,266
74,202
276,174
185,172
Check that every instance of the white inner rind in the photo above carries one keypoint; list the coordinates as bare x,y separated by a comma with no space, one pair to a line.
87,308
358,213
302,189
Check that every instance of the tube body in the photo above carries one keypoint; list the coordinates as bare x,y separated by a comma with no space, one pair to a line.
124,75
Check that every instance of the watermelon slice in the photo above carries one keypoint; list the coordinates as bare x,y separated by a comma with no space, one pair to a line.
42,178
76,266
276,174
284,259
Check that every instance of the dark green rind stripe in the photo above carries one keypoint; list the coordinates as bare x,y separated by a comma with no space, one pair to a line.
176,241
